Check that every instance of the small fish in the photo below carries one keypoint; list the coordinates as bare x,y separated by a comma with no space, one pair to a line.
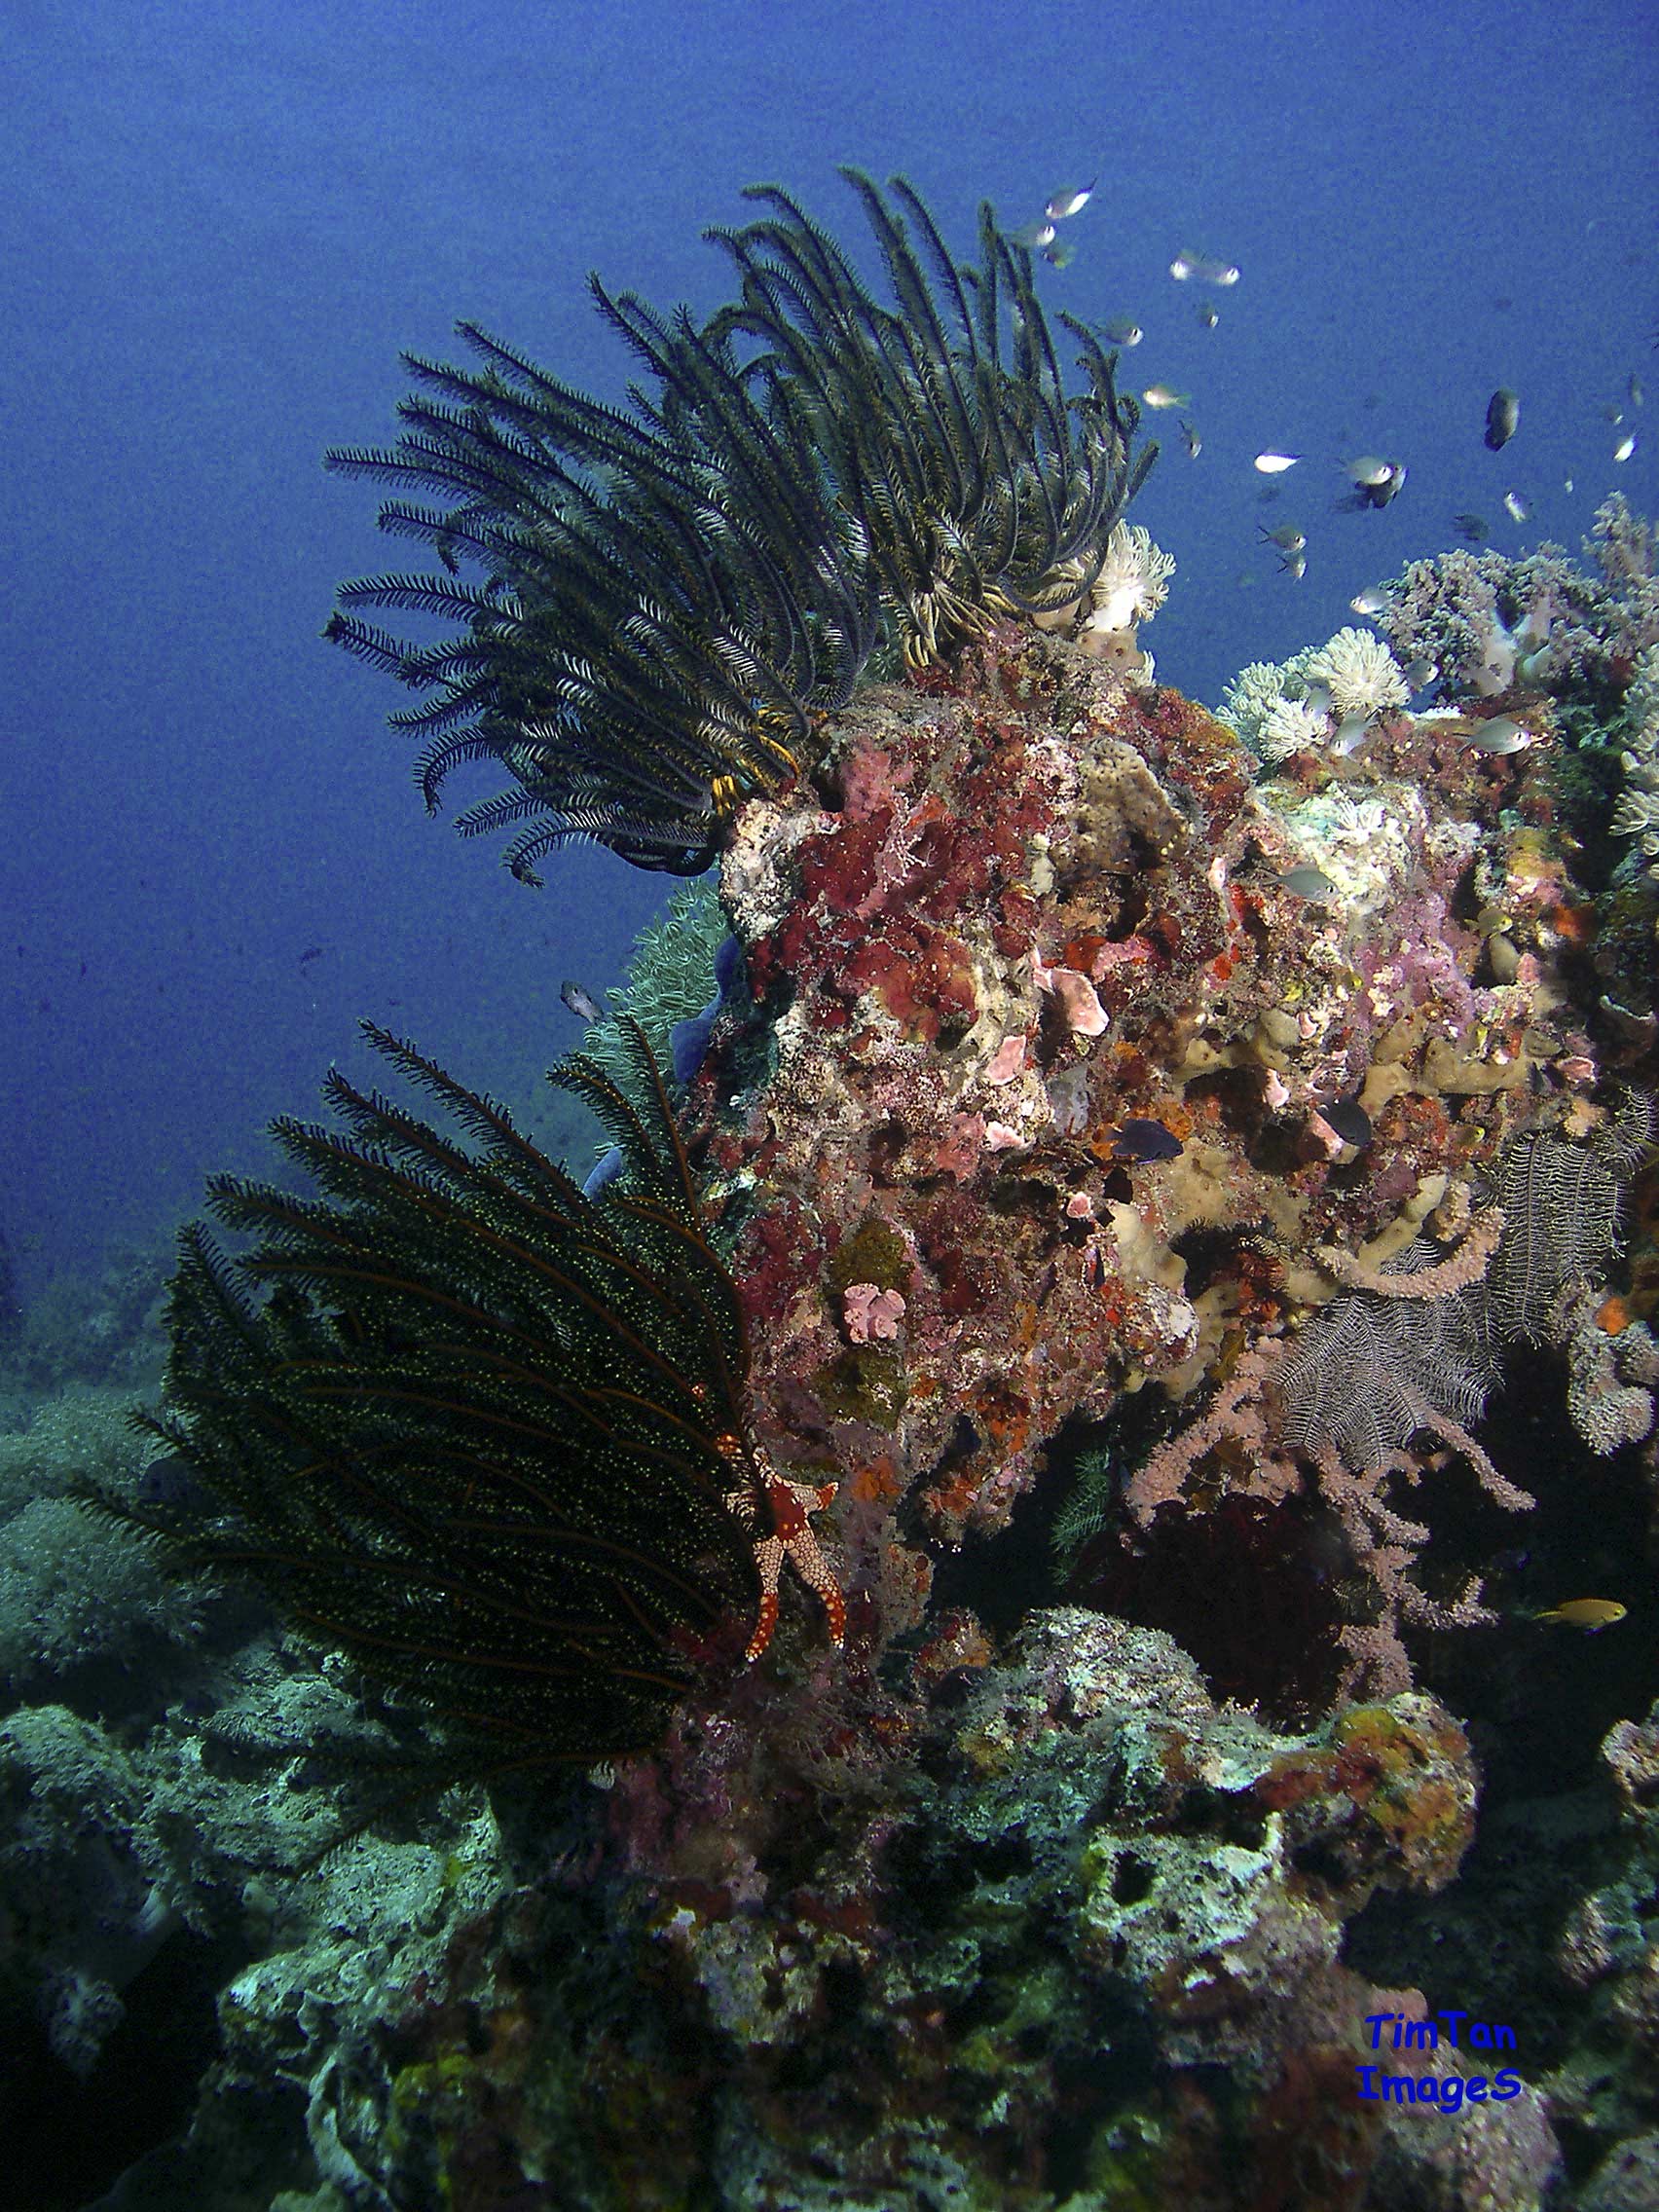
1125,331
1294,566
1276,463
1503,412
1566,484
1139,1138
1195,444
605,1169
311,952
1374,489
1351,735
1591,1614
1613,412
1059,255
1287,537
1308,883
1317,701
1369,601
581,1003
1474,528
1208,314
1352,1122
1421,674
1625,447
1370,470
1064,203
1500,735
1165,395
1638,397
1033,236
1201,268
1515,506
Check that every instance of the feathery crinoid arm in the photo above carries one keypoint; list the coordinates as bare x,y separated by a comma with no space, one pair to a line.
459,1420
676,590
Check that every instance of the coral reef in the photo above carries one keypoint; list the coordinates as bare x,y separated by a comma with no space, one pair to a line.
1013,1969
1324,693
1210,1152
1487,620
75,1596
1543,625
960,1019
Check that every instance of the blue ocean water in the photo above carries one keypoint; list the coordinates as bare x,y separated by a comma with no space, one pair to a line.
218,227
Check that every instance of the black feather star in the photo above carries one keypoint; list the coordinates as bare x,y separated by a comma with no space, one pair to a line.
676,594
482,1434
979,487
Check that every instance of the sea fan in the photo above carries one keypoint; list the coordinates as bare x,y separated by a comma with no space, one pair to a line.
1367,1367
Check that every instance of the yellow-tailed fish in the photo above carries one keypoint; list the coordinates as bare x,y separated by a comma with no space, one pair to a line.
1591,1614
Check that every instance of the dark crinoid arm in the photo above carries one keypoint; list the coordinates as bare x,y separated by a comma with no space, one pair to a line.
668,599
469,1426
978,484
677,592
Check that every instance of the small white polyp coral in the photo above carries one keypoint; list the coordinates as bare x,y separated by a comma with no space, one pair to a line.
1635,813
1250,698
1132,585
1642,699
1290,725
1360,672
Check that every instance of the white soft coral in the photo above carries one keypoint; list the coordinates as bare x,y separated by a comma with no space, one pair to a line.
1132,585
1360,672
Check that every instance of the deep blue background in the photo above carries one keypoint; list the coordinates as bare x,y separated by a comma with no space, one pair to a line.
218,226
